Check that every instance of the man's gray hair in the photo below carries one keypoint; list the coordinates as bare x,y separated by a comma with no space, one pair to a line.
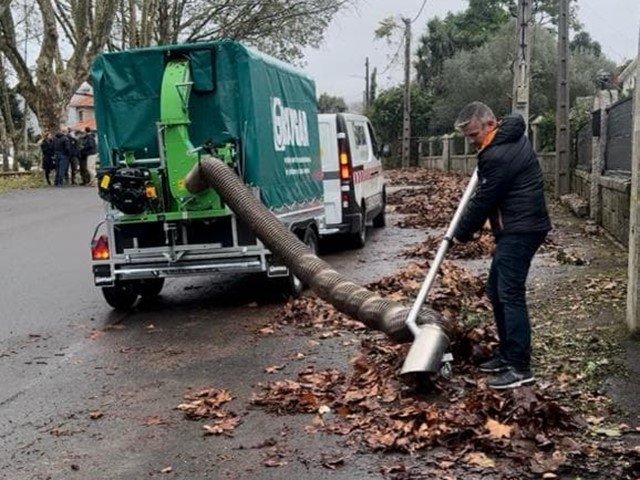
473,111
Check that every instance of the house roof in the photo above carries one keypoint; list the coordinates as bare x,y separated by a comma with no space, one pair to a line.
629,71
84,100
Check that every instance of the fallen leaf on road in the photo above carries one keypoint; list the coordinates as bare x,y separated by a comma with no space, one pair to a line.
268,330
204,402
480,459
154,420
274,462
95,334
497,429
224,426
332,462
95,415
274,369
166,470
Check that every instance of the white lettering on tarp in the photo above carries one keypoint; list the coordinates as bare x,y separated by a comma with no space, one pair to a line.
299,162
290,127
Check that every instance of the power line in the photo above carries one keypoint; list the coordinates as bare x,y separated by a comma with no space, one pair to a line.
394,58
424,2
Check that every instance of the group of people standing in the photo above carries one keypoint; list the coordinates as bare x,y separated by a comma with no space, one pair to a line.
66,153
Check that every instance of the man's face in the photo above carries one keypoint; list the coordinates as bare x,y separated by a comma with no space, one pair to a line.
477,130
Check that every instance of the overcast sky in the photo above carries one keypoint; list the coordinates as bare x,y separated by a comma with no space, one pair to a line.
338,66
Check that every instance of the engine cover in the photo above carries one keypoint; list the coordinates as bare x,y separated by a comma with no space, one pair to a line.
125,188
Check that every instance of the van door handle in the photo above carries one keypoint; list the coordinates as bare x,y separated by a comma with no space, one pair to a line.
375,173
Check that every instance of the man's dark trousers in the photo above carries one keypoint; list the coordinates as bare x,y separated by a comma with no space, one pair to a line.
506,288
61,169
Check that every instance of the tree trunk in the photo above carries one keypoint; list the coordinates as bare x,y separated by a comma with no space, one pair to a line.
87,26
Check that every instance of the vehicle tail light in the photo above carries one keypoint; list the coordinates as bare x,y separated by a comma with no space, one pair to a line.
100,248
345,169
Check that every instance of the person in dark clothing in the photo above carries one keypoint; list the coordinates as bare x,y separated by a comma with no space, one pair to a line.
73,156
48,161
510,194
87,147
61,151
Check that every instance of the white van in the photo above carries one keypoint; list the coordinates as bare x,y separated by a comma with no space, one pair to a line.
354,190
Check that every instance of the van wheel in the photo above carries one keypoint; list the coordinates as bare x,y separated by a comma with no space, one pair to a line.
150,287
121,296
380,220
293,285
359,238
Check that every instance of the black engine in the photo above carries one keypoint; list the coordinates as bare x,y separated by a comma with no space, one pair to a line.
125,188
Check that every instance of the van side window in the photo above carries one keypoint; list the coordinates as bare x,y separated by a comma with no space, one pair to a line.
359,135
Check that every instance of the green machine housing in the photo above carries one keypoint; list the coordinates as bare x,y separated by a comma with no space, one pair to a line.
158,110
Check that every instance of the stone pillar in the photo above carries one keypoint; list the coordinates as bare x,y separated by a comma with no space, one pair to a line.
535,134
633,286
601,102
431,140
446,153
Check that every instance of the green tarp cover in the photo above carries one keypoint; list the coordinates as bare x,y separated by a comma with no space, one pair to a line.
238,94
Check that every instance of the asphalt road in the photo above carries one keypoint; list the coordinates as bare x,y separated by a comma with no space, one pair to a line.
86,393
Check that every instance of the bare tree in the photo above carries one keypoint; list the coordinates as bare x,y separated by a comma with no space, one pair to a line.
280,27
70,33
80,27
7,130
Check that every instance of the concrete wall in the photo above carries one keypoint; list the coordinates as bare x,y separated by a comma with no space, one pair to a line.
614,191
581,183
615,194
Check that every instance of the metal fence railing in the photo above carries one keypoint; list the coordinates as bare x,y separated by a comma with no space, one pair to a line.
619,136
584,147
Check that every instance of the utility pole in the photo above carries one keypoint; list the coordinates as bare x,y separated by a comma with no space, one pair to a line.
366,84
562,174
522,62
633,288
406,122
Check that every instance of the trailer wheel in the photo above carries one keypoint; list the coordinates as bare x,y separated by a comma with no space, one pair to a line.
294,286
121,296
358,239
150,287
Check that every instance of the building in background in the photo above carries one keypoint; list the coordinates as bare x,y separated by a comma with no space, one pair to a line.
628,78
80,112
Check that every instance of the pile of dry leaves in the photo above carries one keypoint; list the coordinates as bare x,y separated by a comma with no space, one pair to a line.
431,205
480,247
207,404
527,433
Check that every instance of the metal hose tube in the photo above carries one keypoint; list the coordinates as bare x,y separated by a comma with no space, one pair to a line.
346,296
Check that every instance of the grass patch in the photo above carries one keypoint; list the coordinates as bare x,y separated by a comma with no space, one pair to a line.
20,182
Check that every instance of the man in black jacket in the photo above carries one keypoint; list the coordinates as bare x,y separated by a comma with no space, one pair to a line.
62,152
510,194
48,160
87,147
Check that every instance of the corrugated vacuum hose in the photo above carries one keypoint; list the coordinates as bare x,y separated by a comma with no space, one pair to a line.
346,296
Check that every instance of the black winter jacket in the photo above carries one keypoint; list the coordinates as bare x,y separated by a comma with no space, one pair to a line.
61,145
510,189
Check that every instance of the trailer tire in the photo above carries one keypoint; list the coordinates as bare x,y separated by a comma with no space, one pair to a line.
121,296
150,288
294,287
